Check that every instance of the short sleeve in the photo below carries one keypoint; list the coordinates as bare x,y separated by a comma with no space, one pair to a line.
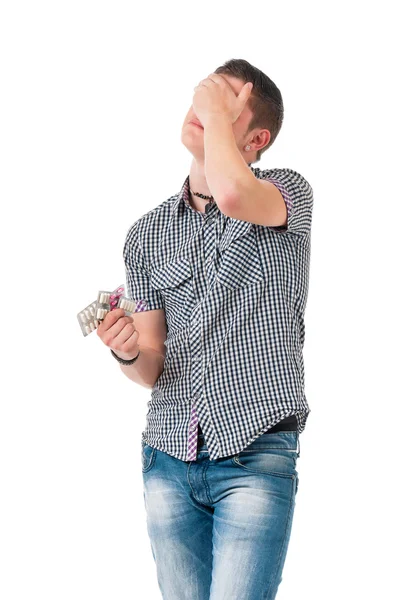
298,196
137,275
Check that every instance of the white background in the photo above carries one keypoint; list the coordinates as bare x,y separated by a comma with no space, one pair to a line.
93,97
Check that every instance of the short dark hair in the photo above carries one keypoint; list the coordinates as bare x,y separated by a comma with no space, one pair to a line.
265,99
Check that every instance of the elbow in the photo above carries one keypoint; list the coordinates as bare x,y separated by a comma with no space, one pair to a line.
228,204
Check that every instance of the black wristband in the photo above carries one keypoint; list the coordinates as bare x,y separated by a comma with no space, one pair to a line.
123,361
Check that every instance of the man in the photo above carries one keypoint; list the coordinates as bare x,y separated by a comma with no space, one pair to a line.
223,268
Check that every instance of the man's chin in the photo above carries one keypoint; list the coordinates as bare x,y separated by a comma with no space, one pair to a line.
196,150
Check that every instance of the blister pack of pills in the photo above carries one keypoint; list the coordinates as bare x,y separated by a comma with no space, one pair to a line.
87,319
129,306
140,306
107,301
91,316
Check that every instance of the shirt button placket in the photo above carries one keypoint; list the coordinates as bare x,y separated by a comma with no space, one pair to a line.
196,385
193,435
196,342
211,234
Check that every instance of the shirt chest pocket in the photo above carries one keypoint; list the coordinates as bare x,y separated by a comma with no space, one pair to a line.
239,261
174,282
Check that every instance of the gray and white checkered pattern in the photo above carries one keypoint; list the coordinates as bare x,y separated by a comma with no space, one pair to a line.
234,295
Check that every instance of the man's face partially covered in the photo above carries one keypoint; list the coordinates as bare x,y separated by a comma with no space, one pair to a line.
192,134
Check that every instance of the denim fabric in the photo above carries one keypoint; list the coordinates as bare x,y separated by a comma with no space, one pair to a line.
219,529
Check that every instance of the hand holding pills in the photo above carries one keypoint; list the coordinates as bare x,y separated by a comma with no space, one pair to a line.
118,332
91,316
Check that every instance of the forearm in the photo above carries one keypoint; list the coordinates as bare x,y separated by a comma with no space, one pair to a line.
146,369
225,167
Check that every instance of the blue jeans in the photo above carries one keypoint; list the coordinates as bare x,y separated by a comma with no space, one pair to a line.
219,529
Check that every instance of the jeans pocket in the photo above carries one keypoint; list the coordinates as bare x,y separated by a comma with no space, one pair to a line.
280,462
148,455
270,456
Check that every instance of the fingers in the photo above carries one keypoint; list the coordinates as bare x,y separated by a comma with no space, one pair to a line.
110,319
127,341
110,332
126,338
118,332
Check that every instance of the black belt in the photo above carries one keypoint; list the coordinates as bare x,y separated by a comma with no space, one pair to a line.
287,424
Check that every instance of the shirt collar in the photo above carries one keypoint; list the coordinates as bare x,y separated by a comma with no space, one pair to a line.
233,228
181,203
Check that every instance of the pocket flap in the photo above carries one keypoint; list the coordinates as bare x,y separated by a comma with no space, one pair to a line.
234,230
171,274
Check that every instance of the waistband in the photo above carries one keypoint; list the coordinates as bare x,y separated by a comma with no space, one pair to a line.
286,424
289,424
